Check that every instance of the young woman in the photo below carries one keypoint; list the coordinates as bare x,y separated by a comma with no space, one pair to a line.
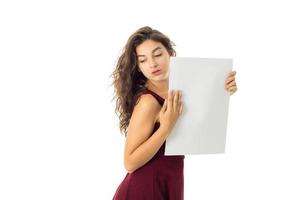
148,112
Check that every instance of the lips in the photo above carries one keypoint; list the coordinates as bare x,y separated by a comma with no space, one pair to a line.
156,71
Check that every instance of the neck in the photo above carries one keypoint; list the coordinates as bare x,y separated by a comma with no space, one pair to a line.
160,87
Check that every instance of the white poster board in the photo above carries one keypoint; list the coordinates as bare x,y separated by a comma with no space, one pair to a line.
201,128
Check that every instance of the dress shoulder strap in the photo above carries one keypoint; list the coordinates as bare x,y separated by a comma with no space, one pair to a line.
156,96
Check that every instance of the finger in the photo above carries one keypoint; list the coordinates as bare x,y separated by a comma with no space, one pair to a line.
179,97
232,73
232,89
170,100
181,108
175,100
179,100
229,79
232,83
231,93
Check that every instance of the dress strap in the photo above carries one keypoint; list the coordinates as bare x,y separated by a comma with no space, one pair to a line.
156,96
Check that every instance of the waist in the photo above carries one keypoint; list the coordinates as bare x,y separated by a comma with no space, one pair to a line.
173,158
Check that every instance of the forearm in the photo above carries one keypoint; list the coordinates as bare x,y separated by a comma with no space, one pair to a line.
147,150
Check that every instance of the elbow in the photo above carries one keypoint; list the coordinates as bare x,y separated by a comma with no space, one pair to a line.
130,171
128,166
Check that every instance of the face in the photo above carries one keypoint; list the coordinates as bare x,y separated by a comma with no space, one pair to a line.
153,56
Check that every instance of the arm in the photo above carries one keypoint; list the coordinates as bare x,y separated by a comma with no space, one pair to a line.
139,146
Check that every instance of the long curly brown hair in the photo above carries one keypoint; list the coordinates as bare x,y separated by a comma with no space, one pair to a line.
128,81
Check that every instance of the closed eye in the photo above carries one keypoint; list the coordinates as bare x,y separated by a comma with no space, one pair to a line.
141,61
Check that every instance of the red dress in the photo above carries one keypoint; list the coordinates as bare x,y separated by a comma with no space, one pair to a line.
161,178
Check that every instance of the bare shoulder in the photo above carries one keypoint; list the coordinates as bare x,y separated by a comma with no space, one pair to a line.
146,102
147,108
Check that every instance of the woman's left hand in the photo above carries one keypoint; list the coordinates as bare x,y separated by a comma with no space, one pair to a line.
230,84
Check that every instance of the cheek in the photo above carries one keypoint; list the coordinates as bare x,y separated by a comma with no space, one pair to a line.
165,62
143,69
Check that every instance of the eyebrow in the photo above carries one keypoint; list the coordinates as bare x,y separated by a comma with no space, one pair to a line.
152,51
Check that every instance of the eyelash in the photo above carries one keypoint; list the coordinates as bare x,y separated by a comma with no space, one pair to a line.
155,56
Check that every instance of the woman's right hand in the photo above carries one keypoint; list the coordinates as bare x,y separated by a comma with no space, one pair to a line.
171,110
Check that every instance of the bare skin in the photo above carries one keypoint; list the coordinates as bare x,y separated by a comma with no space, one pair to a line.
140,145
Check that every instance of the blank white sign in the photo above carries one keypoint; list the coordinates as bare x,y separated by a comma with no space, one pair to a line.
201,128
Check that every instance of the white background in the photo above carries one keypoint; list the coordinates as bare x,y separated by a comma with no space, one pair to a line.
59,135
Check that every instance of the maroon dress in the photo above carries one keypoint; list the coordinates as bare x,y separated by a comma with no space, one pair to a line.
161,178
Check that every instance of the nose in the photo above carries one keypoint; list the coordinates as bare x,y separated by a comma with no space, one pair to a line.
152,62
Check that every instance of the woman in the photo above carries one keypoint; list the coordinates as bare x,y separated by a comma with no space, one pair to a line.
148,112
